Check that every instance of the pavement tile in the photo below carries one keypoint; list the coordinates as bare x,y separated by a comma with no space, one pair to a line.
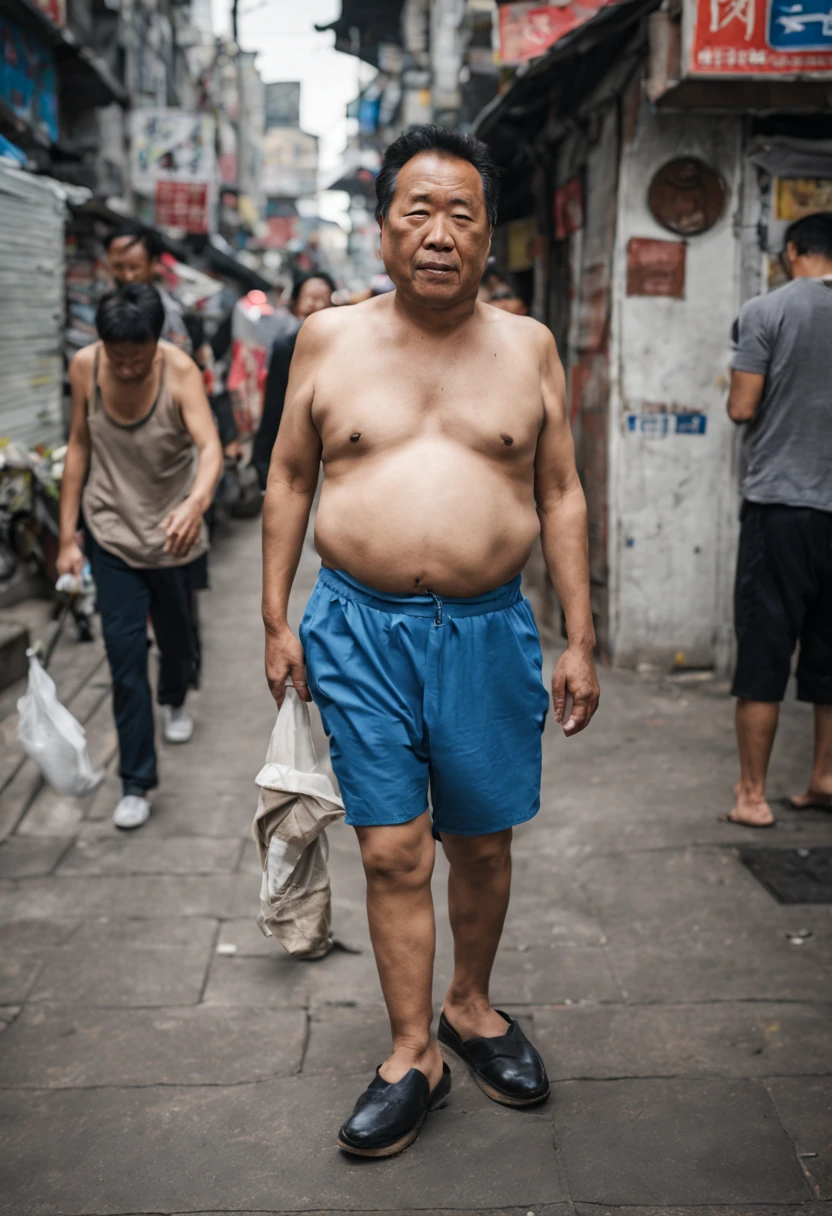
26,858
60,1048
731,964
140,854
732,1209
35,935
804,1105
675,1141
747,1039
129,962
135,895
264,1148
18,972
278,981
543,975
670,891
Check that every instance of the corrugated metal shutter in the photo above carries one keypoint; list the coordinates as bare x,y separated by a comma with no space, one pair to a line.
32,291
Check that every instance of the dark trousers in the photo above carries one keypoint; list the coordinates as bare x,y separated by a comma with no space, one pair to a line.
126,598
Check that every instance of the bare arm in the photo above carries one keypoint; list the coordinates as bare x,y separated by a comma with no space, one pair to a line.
745,395
561,507
76,465
182,525
293,478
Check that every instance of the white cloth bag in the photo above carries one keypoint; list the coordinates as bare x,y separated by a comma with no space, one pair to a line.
50,736
296,805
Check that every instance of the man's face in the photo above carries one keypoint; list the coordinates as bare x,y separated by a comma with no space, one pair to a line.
130,361
436,236
314,295
129,262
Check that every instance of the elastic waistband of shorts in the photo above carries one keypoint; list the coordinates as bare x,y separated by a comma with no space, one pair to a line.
345,585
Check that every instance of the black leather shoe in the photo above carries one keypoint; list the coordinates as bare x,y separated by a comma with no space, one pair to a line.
389,1115
507,1067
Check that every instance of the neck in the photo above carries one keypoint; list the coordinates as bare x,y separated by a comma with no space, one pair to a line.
434,320
814,267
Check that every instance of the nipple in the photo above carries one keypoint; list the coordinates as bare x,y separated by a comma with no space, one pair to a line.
355,436
507,439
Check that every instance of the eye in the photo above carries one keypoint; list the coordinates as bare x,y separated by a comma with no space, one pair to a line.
417,213
462,217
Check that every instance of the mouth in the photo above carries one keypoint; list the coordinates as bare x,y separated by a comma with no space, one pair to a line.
439,269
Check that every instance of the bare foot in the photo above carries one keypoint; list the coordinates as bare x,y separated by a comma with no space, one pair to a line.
812,798
399,1064
474,1021
750,809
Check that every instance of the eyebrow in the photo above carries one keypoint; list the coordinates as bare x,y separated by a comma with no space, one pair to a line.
424,196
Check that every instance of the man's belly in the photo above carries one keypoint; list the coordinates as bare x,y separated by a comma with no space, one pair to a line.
430,517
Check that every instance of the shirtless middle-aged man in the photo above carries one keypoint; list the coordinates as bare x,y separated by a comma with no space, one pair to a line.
446,451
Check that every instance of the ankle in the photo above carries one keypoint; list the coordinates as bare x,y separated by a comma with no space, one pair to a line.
469,1004
751,791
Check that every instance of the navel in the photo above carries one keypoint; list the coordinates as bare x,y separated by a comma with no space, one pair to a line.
507,439
355,436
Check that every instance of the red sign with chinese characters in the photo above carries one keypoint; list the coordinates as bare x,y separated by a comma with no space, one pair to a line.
182,205
528,30
760,38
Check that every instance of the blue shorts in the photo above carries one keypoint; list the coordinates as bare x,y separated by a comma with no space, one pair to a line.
417,691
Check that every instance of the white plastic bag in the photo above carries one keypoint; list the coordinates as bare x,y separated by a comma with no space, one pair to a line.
51,737
296,805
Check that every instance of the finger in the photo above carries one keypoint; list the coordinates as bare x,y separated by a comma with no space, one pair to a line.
579,718
558,693
298,673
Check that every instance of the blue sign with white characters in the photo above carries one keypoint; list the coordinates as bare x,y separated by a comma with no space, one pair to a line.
802,25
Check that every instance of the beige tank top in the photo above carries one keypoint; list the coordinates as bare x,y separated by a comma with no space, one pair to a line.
139,471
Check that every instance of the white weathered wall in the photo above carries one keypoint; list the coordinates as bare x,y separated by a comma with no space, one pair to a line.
673,498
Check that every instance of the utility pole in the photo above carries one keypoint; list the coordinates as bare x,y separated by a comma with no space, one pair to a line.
240,126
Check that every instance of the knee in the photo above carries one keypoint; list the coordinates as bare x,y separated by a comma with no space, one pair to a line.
480,855
399,864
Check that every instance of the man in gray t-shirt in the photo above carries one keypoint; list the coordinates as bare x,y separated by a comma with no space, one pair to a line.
781,390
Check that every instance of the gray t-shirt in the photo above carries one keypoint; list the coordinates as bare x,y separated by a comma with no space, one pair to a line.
787,337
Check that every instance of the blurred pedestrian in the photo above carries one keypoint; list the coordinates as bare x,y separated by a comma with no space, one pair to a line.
143,460
781,391
446,449
310,294
133,257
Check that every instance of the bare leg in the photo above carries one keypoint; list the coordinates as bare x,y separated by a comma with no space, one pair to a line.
398,863
819,792
478,891
756,727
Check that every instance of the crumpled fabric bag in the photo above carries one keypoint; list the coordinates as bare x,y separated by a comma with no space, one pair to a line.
53,738
296,805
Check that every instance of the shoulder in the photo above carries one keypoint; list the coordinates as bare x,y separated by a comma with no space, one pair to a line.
322,329
520,331
768,305
81,364
179,364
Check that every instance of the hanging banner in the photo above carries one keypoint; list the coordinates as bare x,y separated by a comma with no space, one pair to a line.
171,145
761,38
182,205
528,30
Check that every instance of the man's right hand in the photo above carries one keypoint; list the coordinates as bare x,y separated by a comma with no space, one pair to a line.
284,661
70,559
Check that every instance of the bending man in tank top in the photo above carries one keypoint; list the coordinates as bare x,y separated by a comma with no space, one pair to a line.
142,464
446,450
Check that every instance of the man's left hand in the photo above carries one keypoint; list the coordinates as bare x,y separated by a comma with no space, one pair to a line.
575,674
181,527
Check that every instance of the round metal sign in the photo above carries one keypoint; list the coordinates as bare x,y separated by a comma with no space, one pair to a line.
686,196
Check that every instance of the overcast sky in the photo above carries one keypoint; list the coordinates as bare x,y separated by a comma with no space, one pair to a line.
290,49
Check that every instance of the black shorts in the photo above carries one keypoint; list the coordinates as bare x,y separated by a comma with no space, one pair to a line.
782,597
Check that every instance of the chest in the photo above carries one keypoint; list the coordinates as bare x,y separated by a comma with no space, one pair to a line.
479,397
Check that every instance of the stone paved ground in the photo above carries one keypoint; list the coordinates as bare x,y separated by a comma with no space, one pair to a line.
160,1056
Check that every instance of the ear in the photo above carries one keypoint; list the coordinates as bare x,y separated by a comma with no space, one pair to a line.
791,251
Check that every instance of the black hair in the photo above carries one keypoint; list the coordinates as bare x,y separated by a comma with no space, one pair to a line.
304,278
145,237
445,142
812,234
134,313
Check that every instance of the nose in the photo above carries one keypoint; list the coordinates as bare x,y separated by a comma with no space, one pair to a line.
439,237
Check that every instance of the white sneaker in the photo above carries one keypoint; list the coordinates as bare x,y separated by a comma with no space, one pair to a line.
132,812
177,727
